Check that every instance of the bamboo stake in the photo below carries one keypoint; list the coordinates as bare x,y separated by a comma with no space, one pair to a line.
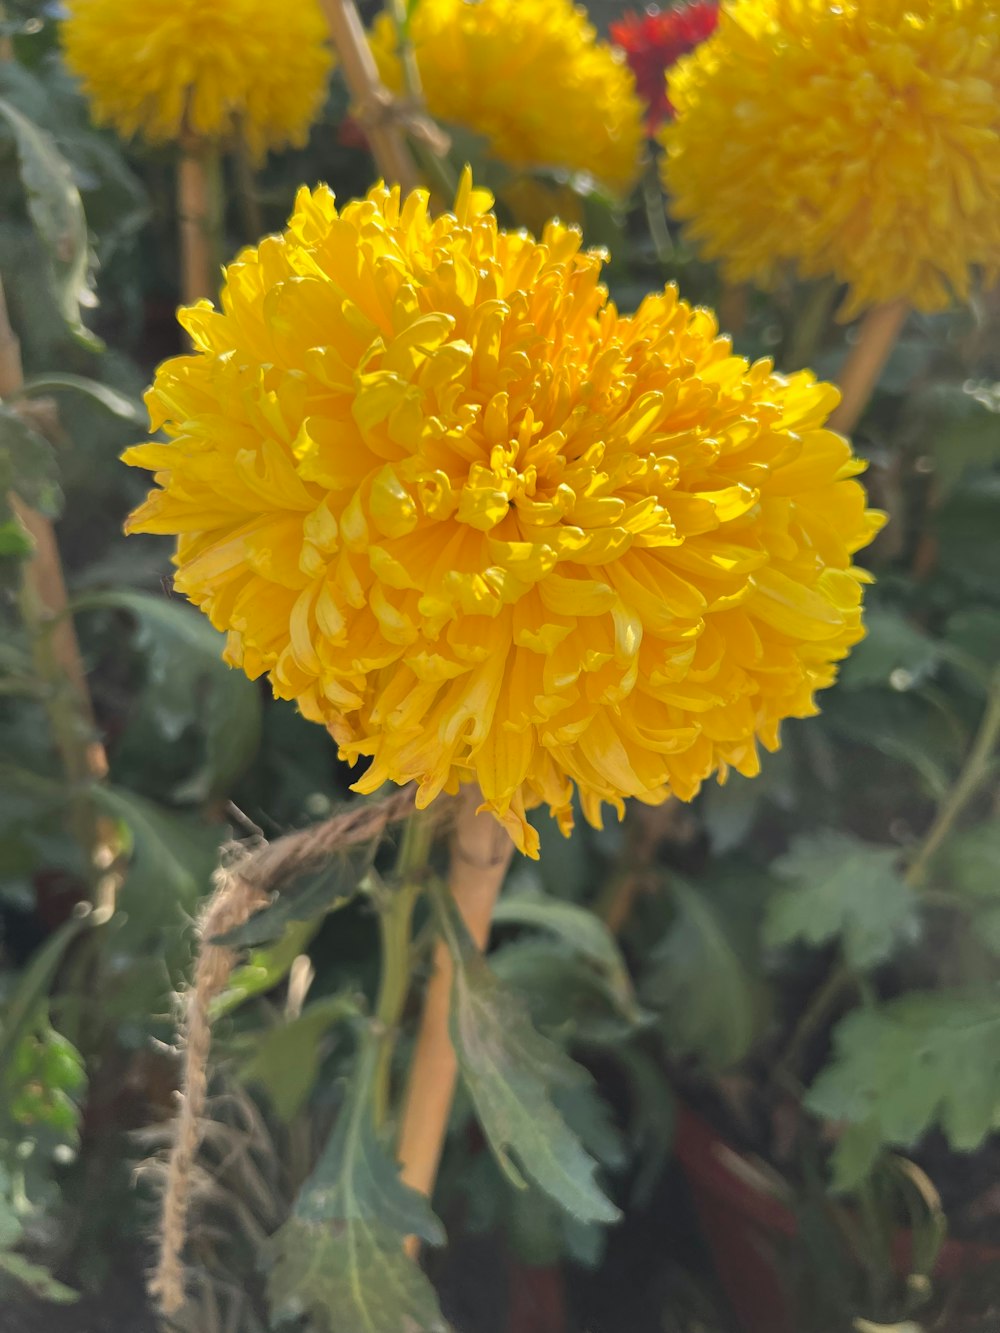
865,362
481,851
198,209
370,96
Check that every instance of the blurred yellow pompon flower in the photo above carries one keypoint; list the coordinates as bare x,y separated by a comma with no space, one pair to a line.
530,76
860,139
167,69
482,526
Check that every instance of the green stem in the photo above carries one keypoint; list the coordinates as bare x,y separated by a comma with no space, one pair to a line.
975,770
395,926
808,330
407,55
656,213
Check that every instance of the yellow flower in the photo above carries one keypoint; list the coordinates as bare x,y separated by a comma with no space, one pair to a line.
860,139
482,526
166,68
528,75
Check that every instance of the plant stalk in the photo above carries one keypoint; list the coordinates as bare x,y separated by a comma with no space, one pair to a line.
395,923
865,362
371,99
481,851
56,652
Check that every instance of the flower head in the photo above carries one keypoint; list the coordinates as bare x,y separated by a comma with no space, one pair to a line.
482,526
530,76
860,139
170,68
653,42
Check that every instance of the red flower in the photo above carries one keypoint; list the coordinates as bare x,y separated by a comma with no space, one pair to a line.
654,41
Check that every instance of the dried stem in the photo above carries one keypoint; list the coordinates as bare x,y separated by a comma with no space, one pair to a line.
865,362
373,104
481,851
199,209
242,887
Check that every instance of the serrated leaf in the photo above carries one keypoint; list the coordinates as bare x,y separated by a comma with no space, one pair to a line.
188,683
842,889
699,985
969,862
340,1258
325,891
894,652
582,931
28,464
511,1072
285,1060
900,1068
56,212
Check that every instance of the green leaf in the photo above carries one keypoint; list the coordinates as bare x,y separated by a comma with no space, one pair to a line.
286,1060
326,891
969,862
15,544
583,932
964,432
127,409
894,652
36,1278
842,889
28,464
172,857
188,683
340,1259
31,994
699,984
56,212
900,1068
265,967
511,1072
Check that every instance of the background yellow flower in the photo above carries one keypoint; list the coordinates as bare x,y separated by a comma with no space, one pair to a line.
530,76
164,68
482,526
860,139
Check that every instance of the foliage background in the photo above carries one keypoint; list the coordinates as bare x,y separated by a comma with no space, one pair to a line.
809,962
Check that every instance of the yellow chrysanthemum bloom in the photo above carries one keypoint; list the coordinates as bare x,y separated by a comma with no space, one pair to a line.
859,139
530,76
482,526
169,68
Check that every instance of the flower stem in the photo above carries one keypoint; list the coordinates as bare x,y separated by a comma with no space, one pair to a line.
56,655
395,921
407,55
974,771
199,207
865,362
372,101
480,854
246,189
807,332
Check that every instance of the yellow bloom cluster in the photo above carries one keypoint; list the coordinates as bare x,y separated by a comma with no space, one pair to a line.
481,525
167,68
530,76
859,139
